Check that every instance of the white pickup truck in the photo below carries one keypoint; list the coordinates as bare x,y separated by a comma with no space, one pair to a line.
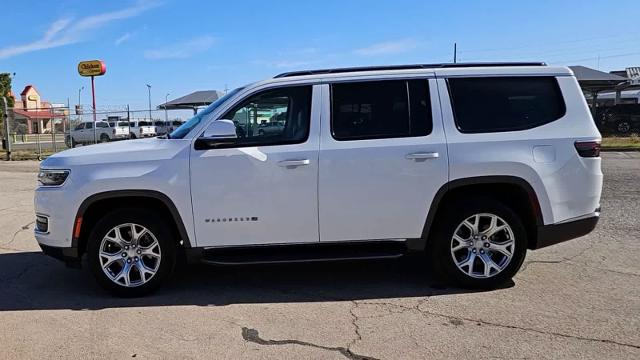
141,128
84,133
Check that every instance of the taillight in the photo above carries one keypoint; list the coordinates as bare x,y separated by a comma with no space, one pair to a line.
588,148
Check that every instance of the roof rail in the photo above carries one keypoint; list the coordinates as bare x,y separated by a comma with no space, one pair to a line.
406,67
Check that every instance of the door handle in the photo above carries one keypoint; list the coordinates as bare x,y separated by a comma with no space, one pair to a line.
294,163
423,156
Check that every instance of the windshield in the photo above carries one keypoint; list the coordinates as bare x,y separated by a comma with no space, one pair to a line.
185,128
123,123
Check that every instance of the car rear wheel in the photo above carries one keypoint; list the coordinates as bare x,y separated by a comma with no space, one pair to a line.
104,138
131,252
623,127
479,244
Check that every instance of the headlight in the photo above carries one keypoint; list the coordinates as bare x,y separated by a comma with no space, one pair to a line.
52,177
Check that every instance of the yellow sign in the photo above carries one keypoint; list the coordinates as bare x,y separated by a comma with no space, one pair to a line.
32,98
92,68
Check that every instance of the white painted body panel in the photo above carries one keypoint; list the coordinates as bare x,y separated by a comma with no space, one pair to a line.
245,196
369,189
146,164
566,185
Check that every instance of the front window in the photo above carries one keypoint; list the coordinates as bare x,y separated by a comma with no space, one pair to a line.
273,117
186,127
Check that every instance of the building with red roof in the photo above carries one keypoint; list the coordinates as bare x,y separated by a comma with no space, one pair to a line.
39,116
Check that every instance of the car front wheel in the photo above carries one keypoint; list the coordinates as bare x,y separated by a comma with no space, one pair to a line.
479,244
131,252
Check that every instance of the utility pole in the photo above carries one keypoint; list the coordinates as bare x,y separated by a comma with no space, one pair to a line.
149,88
455,53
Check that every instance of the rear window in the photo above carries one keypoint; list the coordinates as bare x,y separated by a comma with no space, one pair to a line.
380,109
496,104
102,125
123,123
144,123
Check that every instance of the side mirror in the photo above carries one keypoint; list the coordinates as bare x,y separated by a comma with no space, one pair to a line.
219,132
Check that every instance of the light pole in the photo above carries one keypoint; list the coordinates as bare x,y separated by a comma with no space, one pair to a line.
166,117
79,91
149,88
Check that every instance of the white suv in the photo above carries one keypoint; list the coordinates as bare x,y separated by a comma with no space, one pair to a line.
470,164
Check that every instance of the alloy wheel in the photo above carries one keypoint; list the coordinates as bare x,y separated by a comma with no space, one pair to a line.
482,245
130,255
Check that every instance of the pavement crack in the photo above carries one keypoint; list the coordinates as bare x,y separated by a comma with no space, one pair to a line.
252,335
15,234
354,323
567,336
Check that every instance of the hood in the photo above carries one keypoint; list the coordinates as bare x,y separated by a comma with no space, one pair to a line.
119,151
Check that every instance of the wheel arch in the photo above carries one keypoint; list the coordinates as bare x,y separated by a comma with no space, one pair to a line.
90,209
514,191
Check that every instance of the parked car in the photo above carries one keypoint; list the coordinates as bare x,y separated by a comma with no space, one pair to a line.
271,128
141,129
619,119
84,133
467,165
162,127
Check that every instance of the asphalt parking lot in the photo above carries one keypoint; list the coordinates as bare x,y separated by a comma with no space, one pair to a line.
580,299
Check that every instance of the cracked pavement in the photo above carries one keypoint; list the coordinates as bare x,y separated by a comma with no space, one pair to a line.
579,299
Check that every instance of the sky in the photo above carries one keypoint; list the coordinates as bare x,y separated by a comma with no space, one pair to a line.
182,46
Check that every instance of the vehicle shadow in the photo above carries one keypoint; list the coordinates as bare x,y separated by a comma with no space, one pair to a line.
32,281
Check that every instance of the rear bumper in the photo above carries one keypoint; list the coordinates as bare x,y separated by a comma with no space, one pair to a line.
556,233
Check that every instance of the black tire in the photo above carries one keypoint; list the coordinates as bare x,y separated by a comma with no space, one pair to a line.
439,246
104,138
623,126
132,136
156,225
73,142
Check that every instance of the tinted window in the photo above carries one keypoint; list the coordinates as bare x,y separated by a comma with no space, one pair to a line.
79,127
102,125
88,125
144,123
380,109
273,117
505,103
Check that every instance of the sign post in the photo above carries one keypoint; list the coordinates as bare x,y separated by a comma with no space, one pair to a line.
92,68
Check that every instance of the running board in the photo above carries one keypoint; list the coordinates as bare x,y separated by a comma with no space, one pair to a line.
274,254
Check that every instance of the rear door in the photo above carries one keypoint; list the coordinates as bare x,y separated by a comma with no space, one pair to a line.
87,132
383,157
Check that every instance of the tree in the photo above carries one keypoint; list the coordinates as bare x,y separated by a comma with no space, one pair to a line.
5,89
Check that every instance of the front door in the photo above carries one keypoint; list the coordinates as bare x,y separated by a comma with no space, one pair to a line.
383,157
263,188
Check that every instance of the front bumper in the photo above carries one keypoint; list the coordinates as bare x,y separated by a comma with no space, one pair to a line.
548,235
69,255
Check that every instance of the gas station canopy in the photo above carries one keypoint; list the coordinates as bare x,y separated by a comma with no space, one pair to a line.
192,101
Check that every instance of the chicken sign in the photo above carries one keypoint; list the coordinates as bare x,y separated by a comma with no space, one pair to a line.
92,68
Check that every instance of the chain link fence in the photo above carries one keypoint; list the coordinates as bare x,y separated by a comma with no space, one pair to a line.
38,133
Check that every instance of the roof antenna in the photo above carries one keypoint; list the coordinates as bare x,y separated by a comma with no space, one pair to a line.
455,52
